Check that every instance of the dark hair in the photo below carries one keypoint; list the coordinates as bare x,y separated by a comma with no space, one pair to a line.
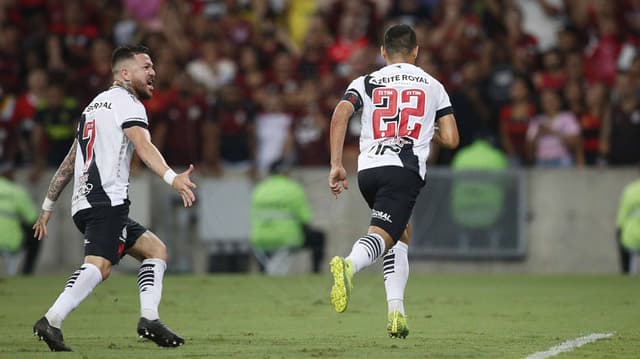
126,52
399,39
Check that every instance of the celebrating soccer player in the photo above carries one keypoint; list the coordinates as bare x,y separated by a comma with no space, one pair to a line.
112,125
402,110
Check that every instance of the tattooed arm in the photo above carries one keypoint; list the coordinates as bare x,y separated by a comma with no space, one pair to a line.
59,181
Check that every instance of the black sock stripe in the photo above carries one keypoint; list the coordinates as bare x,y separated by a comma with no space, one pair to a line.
147,265
369,247
380,246
145,280
376,244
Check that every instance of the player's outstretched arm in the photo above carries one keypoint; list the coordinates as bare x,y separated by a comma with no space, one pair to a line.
150,155
59,181
339,121
447,132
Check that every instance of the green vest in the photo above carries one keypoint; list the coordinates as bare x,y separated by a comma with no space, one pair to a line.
279,208
477,200
628,220
16,207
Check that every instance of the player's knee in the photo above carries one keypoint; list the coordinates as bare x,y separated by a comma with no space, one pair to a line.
106,272
103,265
158,250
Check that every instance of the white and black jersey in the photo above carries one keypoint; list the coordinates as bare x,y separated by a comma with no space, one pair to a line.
103,155
398,105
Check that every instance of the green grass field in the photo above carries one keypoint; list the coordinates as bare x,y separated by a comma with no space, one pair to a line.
450,316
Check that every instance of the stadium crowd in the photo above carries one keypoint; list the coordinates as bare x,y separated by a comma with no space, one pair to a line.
242,83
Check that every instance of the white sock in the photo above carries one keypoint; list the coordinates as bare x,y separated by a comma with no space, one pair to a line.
79,285
396,273
150,277
366,251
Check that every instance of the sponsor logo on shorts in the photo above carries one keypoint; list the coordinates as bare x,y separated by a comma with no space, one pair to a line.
381,216
123,236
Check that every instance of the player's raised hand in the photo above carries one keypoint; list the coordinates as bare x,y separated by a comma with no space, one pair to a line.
337,180
183,185
40,227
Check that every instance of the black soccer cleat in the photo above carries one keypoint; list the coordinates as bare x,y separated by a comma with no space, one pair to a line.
51,335
159,333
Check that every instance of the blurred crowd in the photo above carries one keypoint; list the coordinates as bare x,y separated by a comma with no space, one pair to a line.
242,83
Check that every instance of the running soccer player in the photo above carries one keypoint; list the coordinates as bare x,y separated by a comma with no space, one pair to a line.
112,125
402,109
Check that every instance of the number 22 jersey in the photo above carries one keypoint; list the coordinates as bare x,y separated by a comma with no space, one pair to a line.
398,106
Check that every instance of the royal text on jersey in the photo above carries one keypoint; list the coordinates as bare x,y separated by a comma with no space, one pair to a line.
399,78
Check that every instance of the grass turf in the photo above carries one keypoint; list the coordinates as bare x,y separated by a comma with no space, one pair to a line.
251,316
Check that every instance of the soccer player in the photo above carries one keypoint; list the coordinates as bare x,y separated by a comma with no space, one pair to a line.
402,109
111,126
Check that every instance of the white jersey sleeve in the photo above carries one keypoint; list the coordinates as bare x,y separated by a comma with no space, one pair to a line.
443,106
130,112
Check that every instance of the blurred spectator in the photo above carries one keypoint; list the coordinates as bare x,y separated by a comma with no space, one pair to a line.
8,128
181,132
311,129
553,136
542,19
234,136
26,106
75,32
273,132
574,96
96,76
622,130
472,112
212,69
313,62
351,36
55,127
514,122
552,76
603,50
281,221
17,212
592,120
9,58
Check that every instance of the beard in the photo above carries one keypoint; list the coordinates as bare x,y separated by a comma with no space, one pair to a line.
141,90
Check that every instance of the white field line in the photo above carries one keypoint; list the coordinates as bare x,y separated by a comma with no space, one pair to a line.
569,345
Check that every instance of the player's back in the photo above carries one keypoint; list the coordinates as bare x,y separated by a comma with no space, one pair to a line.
104,152
400,103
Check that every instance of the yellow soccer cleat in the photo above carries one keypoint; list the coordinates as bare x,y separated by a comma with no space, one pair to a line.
342,270
397,325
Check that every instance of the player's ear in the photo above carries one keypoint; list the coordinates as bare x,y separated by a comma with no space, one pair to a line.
383,52
414,52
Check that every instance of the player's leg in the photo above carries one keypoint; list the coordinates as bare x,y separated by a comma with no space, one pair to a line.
367,249
396,275
102,228
152,253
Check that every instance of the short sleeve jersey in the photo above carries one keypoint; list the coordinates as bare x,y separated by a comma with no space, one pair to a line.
398,105
103,155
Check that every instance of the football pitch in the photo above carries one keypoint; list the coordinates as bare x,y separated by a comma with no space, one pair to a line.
252,316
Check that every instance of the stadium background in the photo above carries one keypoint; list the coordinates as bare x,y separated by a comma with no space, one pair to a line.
289,62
